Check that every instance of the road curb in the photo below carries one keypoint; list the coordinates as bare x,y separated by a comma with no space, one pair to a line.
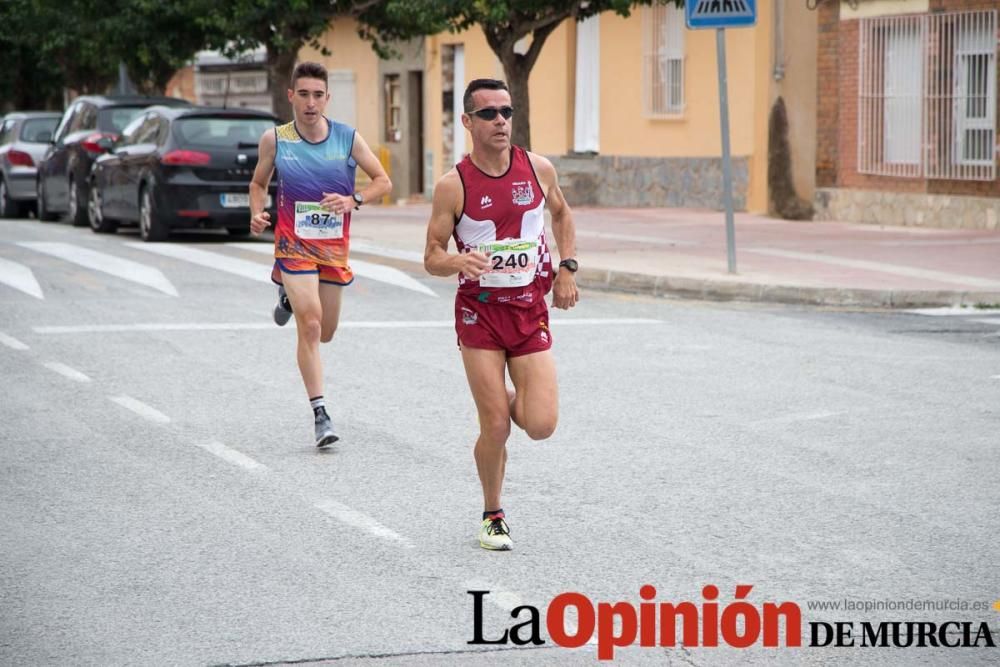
706,288
723,290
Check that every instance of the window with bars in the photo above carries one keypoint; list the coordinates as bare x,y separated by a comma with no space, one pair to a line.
927,99
663,60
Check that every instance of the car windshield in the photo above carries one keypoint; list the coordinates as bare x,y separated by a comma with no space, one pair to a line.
221,132
38,130
115,118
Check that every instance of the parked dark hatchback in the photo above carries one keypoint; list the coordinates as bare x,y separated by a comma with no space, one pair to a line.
24,138
174,168
64,171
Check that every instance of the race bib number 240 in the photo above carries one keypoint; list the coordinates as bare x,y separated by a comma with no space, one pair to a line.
512,263
312,221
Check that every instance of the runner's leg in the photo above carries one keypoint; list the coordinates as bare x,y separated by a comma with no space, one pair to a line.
485,372
330,297
303,292
536,404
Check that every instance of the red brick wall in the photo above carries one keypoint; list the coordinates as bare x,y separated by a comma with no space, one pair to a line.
837,111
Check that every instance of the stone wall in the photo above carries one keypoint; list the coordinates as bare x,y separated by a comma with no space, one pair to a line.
610,180
908,209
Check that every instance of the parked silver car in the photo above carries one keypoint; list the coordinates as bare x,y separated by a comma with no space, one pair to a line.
24,138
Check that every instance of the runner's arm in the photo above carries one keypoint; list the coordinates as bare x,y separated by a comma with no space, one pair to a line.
444,211
259,218
564,290
363,155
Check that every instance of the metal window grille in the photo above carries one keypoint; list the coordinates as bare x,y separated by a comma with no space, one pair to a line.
663,60
927,99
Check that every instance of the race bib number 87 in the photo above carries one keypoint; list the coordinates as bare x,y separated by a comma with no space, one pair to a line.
312,221
512,263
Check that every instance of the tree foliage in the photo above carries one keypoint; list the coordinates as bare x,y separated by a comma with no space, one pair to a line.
505,23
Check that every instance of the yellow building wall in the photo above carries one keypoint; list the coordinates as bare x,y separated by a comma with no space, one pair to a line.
350,52
550,88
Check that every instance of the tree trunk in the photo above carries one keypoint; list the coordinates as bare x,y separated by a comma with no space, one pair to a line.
517,68
517,80
279,73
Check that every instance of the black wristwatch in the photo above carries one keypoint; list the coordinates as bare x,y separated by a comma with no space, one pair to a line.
358,200
570,265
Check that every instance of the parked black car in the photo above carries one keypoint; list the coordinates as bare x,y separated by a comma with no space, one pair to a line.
180,167
64,171
24,138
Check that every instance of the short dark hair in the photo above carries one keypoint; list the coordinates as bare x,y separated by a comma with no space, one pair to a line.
309,70
480,84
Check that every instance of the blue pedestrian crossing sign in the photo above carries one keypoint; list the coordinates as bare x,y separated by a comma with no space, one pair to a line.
720,13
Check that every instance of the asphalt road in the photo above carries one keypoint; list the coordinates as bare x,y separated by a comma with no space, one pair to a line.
161,502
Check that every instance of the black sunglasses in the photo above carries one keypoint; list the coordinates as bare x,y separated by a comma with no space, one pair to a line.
489,113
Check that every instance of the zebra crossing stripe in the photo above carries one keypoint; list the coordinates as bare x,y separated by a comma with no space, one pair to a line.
99,261
20,278
211,260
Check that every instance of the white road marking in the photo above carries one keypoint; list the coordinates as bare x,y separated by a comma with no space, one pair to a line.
232,456
984,320
99,261
141,409
245,326
895,269
19,277
995,377
646,240
66,371
382,251
12,342
948,311
795,417
212,260
352,517
384,274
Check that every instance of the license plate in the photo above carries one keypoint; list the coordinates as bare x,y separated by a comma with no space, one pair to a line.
239,200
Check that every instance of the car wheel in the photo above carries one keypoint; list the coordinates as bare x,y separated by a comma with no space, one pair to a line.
151,225
95,213
8,207
43,212
78,203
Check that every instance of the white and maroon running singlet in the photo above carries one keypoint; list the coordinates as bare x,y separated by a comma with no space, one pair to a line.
503,216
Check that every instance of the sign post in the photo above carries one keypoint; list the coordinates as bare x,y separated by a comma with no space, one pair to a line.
722,14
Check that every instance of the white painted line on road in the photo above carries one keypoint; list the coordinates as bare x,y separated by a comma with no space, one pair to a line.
66,371
795,417
383,251
244,326
383,274
895,269
123,328
984,320
99,261
995,377
141,409
12,342
645,240
352,517
232,456
212,260
945,311
20,278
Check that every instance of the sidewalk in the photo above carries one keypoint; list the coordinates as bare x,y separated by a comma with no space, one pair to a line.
683,252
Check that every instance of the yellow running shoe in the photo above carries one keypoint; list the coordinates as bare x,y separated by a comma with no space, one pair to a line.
495,534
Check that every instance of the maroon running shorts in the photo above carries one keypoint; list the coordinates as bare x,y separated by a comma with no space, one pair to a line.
492,326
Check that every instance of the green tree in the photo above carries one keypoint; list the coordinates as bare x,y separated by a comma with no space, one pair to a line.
507,22
282,27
